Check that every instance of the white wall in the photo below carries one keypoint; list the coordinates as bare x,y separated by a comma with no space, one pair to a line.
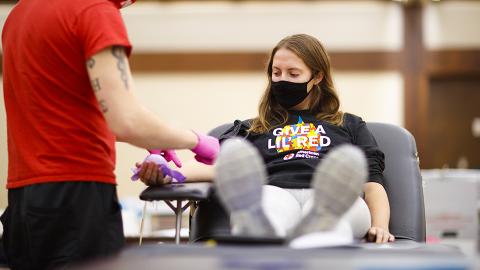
257,26
375,96
452,24
4,10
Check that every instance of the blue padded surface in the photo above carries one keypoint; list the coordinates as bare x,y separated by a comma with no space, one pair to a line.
411,256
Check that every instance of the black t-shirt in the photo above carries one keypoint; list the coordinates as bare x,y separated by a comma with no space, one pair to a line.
293,150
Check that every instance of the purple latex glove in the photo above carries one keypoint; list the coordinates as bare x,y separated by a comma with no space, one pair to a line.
206,149
169,155
160,160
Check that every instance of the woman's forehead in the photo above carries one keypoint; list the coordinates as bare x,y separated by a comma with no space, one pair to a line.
286,59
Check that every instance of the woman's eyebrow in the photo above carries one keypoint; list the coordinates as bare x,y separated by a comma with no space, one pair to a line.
289,69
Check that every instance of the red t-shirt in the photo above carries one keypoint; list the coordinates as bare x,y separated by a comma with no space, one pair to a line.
56,131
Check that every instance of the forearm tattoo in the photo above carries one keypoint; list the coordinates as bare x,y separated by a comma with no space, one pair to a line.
96,85
103,106
90,63
119,53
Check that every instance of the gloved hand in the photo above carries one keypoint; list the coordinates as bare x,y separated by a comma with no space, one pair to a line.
168,155
206,149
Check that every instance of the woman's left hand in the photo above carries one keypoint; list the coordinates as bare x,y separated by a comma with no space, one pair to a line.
379,235
151,174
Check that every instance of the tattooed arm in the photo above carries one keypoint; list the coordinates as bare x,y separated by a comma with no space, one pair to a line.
131,122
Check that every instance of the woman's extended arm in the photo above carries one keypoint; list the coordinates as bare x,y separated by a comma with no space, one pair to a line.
194,171
377,201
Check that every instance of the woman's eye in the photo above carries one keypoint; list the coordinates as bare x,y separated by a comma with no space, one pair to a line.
276,74
294,75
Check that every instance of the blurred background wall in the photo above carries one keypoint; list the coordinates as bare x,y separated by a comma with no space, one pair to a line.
199,64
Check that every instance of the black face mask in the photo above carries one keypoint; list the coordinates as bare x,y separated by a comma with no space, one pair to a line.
289,94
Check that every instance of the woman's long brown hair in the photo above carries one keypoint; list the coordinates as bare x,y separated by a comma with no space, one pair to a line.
324,103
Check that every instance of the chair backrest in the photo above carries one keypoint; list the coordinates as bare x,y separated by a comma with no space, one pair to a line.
403,181
403,184
218,131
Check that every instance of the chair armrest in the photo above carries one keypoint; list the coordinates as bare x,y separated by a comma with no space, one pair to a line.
184,191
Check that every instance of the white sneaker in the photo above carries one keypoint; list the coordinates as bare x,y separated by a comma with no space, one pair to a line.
337,183
239,177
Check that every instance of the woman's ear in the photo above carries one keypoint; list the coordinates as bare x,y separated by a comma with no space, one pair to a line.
318,78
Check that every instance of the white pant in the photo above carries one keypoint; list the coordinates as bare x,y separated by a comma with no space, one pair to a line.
286,207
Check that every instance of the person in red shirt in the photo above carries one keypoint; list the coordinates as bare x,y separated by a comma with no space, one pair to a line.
69,95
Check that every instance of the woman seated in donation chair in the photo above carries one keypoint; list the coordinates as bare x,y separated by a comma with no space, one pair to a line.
302,166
